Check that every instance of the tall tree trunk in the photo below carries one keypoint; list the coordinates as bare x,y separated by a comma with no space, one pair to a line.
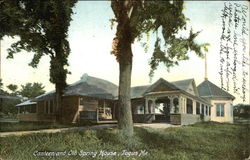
123,52
59,108
125,122
58,75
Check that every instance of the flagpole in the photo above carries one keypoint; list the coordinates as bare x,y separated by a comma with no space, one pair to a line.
206,66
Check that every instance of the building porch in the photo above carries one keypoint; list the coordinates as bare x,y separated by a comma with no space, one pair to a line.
171,107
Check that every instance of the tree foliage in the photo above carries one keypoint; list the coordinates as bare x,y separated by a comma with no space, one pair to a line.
13,88
165,17
11,18
8,107
8,100
31,90
242,110
42,30
42,27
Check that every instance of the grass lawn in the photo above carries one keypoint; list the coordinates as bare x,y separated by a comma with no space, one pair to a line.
202,141
28,126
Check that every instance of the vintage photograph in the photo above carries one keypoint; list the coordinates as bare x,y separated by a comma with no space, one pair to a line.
124,80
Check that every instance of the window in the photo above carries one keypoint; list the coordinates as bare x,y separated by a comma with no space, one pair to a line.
27,109
206,110
202,109
209,111
176,105
22,109
141,109
189,106
100,103
197,108
33,109
51,107
220,110
46,106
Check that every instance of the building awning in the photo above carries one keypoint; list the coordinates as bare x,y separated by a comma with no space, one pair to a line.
28,102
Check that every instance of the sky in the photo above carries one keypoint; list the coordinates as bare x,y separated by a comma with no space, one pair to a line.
90,38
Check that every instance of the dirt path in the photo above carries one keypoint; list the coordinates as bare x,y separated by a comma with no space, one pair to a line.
155,125
100,126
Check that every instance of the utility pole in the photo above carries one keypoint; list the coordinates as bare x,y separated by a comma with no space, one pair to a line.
206,78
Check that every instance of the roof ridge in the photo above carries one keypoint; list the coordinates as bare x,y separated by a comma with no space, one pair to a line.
103,80
141,86
183,80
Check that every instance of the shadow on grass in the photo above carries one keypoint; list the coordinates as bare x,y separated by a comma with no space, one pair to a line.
29,126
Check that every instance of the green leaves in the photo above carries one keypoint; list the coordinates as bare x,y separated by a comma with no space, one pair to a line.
31,90
12,88
166,17
11,18
177,50
158,57
42,26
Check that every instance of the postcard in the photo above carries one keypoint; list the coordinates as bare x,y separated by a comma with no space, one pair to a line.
124,80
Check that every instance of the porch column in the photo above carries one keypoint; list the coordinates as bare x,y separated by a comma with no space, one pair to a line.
113,114
194,107
150,106
153,109
184,105
104,105
204,109
180,104
171,105
146,107
153,106
200,108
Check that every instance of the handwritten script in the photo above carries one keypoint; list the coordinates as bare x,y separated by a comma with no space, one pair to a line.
234,57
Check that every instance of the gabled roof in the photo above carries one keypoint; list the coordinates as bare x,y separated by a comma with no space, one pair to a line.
140,91
163,81
87,86
209,90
